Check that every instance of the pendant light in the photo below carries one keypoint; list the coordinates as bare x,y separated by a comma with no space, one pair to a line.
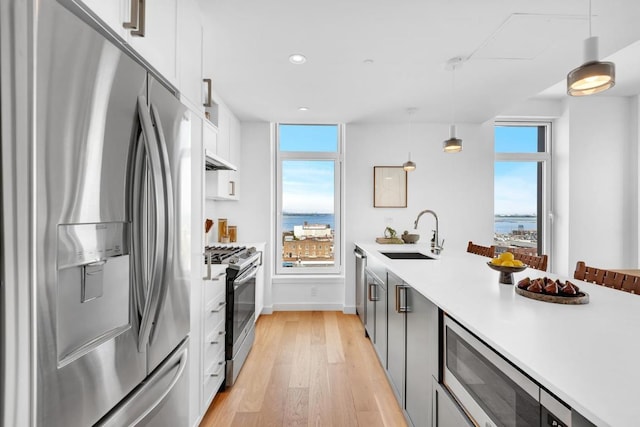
593,76
409,165
453,144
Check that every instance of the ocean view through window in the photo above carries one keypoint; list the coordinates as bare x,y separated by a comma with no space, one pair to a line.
308,197
521,187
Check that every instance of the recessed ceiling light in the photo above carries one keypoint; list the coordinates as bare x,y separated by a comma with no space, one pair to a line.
297,58
368,61
303,109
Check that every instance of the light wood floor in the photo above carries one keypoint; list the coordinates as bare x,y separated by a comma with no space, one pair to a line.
308,369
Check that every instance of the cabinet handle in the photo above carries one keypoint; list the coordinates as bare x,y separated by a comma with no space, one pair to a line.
141,19
137,20
217,374
373,296
220,307
401,299
209,102
232,188
133,18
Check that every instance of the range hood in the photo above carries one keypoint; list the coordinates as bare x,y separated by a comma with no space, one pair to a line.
214,162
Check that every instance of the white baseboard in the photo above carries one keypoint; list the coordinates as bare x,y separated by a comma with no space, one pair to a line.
267,310
307,307
349,309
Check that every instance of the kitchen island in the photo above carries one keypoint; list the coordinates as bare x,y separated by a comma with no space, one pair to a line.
584,354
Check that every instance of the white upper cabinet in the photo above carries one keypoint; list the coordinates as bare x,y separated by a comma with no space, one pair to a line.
155,36
149,27
190,53
225,184
111,12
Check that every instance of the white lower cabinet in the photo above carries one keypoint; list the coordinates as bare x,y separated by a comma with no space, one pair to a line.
213,337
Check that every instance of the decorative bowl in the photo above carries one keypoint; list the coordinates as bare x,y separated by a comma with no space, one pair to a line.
410,238
506,273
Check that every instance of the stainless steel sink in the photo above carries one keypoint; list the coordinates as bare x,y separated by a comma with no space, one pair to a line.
406,255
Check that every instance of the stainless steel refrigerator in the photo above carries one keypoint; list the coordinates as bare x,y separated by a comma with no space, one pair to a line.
111,188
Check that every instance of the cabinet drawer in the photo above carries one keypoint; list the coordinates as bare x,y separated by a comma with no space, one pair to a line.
214,313
214,342
214,287
213,377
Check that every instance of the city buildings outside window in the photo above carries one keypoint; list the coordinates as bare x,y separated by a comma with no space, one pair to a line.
522,182
309,168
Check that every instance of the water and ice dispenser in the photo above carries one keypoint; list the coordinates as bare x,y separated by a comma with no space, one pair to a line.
93,291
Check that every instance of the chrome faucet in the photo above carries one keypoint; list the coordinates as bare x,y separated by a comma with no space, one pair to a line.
437,246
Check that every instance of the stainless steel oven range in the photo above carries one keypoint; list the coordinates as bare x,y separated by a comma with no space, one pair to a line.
241,302
492,391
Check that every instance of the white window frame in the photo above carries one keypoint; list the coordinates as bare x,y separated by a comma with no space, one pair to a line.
337,157
546,187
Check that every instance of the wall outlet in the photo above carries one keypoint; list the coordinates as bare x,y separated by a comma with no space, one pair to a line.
314,291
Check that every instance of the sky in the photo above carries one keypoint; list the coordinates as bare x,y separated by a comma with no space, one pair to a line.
515,183
308,185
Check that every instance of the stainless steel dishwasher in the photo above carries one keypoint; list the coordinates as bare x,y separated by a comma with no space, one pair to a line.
361,290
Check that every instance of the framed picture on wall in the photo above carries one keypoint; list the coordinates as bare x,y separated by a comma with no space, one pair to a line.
389,187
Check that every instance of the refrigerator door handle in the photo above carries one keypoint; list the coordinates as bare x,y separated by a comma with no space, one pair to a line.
158,261
168,214
135,200
126,410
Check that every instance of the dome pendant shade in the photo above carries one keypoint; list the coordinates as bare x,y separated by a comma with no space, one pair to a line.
409,165
453,144
593,76
590,78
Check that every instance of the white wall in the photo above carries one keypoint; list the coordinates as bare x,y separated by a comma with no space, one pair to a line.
561,165
252,212
596,151
595,194
458,187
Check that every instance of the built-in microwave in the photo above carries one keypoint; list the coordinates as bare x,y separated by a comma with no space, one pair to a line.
491,390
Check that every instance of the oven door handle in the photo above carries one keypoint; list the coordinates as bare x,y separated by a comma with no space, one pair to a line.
245,278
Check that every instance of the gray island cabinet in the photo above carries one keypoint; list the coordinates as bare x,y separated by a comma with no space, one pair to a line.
409,301
413,349
376,300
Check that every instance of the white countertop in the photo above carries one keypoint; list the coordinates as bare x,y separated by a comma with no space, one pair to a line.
587,355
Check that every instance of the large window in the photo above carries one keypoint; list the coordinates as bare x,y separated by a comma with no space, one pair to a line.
308,198
521,187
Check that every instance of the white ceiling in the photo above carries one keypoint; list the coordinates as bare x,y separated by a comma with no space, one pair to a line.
514,49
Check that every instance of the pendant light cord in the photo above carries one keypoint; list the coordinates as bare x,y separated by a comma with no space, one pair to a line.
589,18
453,95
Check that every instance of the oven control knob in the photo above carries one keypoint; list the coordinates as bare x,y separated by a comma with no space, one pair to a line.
233,260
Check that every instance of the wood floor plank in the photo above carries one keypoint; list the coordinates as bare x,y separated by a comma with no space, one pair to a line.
335,353
319,391
369,419
343,410
296,409
273,405
246,419
302,354
317,328
358,372
308,368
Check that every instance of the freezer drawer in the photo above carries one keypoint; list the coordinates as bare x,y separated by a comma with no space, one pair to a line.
161,400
